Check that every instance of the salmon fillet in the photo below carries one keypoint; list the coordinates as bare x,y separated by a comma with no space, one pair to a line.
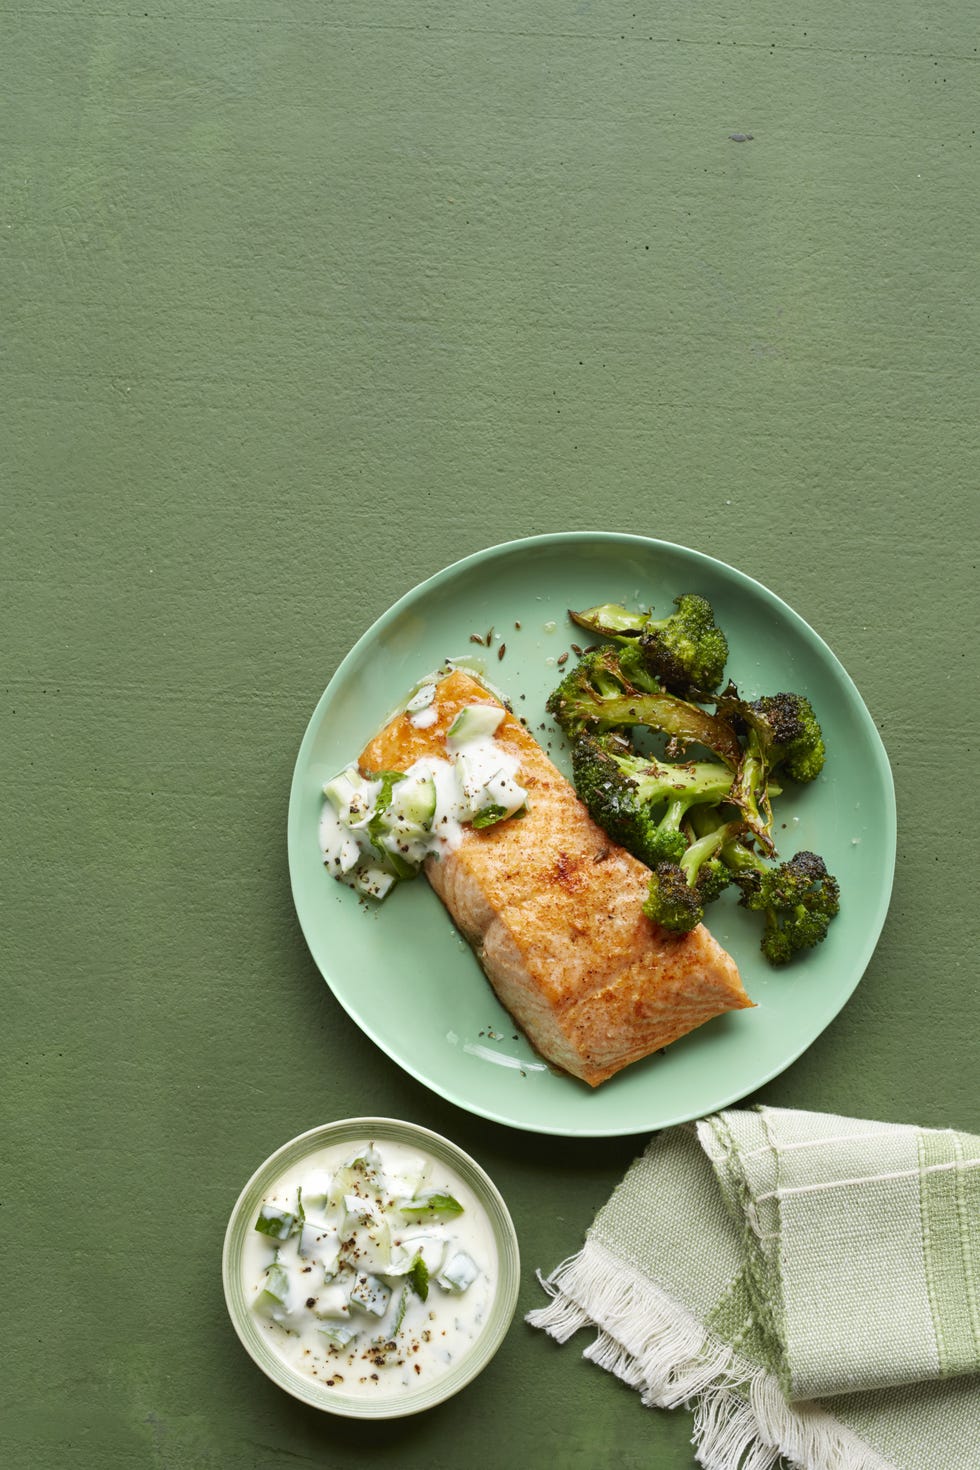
554,911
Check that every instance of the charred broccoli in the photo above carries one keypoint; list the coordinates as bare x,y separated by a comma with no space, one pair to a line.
607,690
786,731
641,802
799,898
698,825
781,733
686,651
680,891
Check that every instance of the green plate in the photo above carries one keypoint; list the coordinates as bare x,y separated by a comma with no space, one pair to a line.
400,968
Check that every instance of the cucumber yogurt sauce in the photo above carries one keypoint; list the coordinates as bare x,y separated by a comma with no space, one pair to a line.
377,831
371,1269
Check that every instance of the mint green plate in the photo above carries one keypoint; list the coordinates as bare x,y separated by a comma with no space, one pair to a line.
408,979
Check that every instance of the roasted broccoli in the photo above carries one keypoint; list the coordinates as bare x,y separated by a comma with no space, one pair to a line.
698,825
680,891
786,730
781,734
799,898
686,651
607,691
642,802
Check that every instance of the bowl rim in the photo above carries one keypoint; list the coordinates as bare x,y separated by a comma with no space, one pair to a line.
504,1301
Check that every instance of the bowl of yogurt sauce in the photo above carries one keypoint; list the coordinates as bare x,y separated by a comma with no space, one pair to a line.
371,1268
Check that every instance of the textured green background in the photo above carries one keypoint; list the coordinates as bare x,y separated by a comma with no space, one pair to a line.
301,301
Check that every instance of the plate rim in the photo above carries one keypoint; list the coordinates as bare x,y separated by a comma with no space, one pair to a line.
873,930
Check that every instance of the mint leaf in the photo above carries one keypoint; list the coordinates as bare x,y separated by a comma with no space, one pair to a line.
377,826
419,1276
400,1315
489,816
432,1203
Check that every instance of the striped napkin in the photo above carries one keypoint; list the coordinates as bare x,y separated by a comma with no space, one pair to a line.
809,1284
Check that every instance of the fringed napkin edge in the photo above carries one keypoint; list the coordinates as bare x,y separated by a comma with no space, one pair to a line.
657,1346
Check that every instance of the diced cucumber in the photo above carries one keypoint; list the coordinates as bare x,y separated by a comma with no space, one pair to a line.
352,797
474,722
367,1234
340,788
319,1242
342,856
277,1282
273,1300
277,1224
508,792
361,1169
499,799
373,882
415,1175
413,804
403,855
431,1202
361,1211
368,1247
473,771
366,1163
422,699
333,1301
431,1248
459,1272
318,1187
386,783
338,1334
418,1282
370,1294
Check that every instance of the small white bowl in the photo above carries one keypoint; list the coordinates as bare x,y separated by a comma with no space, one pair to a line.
401,1401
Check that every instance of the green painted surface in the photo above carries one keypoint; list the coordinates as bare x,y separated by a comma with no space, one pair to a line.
288,289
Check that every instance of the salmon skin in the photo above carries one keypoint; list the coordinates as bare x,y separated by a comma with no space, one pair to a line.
554,912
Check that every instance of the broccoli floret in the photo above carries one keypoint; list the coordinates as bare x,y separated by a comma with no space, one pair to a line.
641,802
671,901
680,891
782,727
789,733
781,733
799,898
600,693
685,651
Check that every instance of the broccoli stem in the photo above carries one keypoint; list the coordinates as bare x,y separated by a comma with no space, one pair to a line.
750,793
673,717
712,844
741,859
610,620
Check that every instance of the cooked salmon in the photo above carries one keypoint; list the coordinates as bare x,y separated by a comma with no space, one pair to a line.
554,912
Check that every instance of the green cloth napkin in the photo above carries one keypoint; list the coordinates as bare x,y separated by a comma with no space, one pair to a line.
809,1284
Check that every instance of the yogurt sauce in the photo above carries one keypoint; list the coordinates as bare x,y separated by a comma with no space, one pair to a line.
374,832
388,1279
